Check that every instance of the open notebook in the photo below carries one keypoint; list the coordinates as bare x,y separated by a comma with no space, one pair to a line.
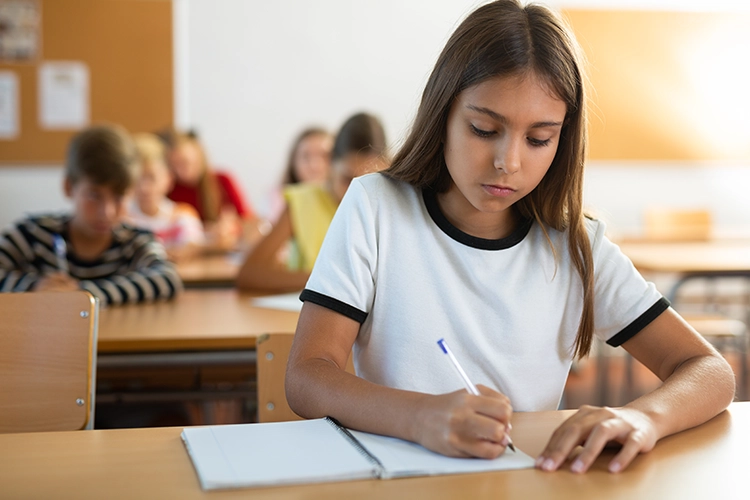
315,451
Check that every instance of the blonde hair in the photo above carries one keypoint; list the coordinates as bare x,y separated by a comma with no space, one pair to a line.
150,148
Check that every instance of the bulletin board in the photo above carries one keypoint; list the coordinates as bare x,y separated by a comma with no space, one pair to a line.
127,47
666,85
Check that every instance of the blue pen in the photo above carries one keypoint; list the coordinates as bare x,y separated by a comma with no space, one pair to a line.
467,381
61,253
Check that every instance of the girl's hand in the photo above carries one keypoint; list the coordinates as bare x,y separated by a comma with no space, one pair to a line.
460,424
594,427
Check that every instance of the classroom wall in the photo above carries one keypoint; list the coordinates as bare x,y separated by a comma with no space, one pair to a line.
249,75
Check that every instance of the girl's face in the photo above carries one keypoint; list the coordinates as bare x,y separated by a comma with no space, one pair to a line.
501,137
186,163
153,184
312,160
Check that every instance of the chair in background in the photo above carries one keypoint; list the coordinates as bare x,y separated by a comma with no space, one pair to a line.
273,354
47,361
709,302
666,224
712,303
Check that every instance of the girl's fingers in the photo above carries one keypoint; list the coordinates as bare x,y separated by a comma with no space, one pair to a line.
635,444
493,404
600,435
569,435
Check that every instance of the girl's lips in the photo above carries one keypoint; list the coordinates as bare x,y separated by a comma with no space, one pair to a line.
498,191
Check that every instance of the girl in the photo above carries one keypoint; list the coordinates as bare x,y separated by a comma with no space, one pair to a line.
215,195
476,234
309,161
359,147
176,225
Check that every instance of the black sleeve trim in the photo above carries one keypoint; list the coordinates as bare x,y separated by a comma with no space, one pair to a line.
640,323
333,304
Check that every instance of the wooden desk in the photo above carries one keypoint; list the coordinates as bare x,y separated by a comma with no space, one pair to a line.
705,462
717,256
210,270
206,319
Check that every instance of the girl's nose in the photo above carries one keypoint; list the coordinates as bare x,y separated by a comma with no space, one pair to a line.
508,155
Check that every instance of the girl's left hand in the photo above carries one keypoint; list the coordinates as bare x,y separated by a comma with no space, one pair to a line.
593,427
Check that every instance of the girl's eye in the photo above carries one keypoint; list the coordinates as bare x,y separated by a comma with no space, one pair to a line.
538,142
482,133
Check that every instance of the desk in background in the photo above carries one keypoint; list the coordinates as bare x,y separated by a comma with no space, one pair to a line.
713,256
217,270
197,320
199,347
706,462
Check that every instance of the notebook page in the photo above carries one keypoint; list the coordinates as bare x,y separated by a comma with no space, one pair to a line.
283,302
279,453
403,458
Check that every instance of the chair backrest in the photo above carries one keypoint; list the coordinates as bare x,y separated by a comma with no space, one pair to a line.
47,361
677,224
273,354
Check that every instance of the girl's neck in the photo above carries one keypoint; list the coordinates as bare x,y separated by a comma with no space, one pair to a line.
150,208
464,216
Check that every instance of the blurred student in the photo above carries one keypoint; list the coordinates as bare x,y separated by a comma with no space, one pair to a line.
90,248
309,161
359,148
176,225
225,213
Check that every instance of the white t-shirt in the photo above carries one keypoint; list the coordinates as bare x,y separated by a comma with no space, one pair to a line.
394,263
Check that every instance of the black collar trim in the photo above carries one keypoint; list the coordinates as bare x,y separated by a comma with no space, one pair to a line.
516,237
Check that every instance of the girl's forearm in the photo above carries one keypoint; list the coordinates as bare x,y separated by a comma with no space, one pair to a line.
697,390
317,388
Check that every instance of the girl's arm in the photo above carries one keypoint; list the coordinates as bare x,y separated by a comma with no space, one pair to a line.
261,269
698,384
317,385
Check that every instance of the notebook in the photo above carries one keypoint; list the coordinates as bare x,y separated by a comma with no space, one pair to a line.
283,302
316,451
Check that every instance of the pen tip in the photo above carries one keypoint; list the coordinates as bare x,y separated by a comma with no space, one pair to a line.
440,343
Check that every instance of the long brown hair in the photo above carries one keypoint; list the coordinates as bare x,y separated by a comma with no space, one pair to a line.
504,38
208,186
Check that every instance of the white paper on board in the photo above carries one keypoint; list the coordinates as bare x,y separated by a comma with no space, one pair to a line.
63,95
9,105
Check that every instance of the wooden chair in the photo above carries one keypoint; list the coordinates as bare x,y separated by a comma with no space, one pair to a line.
273,354
677,224
47,361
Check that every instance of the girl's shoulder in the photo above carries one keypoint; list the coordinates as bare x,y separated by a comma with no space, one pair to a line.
378,184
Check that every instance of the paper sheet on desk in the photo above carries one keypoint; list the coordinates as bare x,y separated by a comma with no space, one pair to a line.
283,302
404,459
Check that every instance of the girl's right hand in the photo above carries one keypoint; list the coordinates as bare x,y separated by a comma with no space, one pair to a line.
460,424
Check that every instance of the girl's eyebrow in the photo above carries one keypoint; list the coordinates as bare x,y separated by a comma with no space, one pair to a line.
500,118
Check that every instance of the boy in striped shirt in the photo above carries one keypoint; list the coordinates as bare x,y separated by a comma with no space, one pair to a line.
90,248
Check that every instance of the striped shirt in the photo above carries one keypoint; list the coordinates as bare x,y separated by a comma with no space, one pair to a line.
133,269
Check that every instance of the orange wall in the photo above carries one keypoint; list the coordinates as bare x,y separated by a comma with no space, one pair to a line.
667,85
